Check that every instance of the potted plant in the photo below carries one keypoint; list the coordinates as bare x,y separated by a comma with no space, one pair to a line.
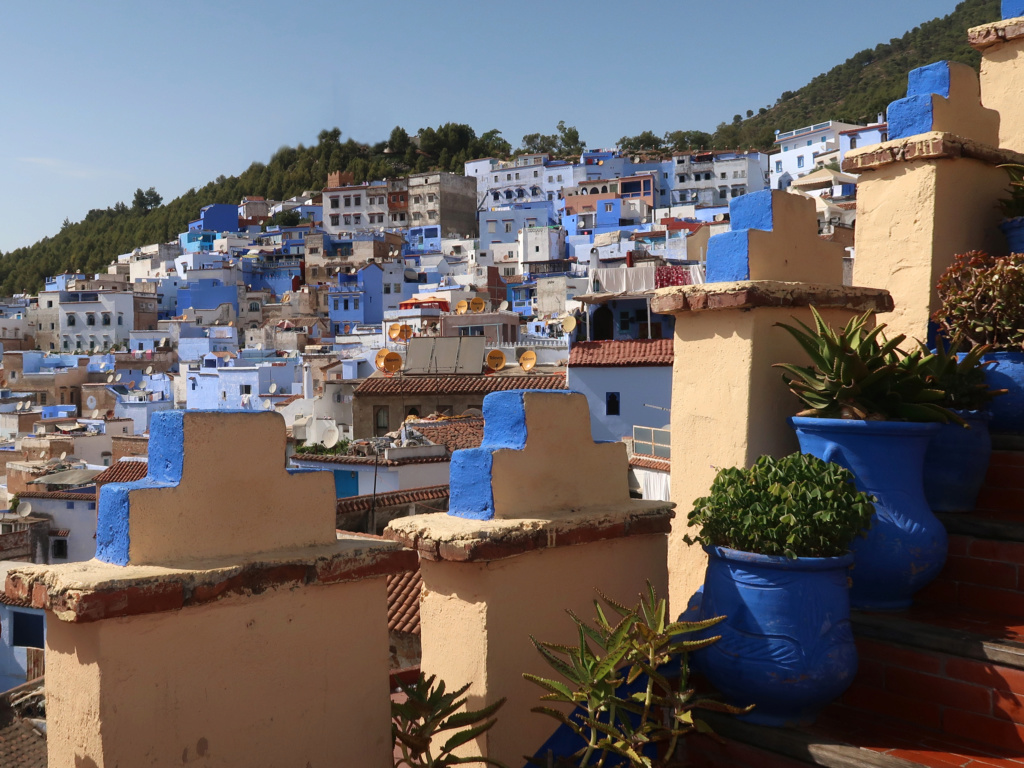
1012,208
871,410
981,300
957,459
778,537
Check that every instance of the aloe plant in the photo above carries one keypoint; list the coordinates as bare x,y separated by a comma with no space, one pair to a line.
427,712
857,373
961,378
616,677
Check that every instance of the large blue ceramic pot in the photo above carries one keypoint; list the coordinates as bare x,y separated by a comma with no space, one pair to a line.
1006,372
956,463
906,546
1014,231
786,645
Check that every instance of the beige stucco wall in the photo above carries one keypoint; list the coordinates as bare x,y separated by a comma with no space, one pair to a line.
477,619
219,685
729,406
204,516
792,251
1002,72
962,113
912,218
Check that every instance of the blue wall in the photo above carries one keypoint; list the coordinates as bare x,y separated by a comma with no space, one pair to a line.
636,386
207,294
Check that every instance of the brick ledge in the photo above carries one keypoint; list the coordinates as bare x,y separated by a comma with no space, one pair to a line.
455,539
750,294
995,33
92,591
935,145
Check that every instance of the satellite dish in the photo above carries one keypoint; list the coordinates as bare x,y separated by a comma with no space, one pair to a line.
90,401
272,388
142,385
330,436
528,360
24,509
18,405
393,330
461,307
165,342
110,378
42,454
231,324
267,404
378,361
495,359
95,413
287,297
63,455
405,332
503,306
392,362
149,370
477,305
258,346
117,377
569,324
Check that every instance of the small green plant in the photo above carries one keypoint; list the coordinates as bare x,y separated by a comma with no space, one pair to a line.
796,506
961,378
857,373
1013,206
318,449
619,721
430,711
981,300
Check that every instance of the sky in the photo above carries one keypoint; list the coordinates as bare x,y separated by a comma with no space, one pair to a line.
99,99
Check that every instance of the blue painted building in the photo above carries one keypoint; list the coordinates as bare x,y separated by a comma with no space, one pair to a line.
205,295
423,240
60,282
501,224
277,273
217,217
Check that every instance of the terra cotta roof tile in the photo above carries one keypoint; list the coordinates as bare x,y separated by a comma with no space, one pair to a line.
621,352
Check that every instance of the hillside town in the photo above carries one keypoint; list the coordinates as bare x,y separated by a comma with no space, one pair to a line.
318,449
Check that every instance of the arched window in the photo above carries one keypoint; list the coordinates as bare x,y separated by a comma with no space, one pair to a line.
90,319
120,320
604,189
508,194
496,196
106,318
71,320
254,306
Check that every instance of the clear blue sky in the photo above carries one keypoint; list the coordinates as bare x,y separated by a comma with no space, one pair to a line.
101,98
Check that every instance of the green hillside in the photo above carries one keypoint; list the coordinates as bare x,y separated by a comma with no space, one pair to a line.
854,91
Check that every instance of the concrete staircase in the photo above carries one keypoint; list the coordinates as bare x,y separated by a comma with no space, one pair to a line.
940,685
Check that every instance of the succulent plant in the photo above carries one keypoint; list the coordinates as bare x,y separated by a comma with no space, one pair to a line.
962,378
981,300
797,506
857,373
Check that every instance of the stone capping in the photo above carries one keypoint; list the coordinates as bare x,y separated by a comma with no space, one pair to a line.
461,540
995,33
94,590
750,294
935,145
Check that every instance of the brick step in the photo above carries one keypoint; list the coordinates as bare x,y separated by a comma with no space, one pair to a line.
842,738
1003,490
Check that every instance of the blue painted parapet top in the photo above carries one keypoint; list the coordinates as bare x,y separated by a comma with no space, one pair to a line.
728,258
1012,9
915,114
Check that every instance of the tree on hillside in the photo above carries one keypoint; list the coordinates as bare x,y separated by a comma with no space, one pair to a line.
682,141
398,142
645,141
144,202
565,142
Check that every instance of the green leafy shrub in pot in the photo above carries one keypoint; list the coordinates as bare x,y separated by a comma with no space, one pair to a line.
981,300
1013,206
796,506
857,373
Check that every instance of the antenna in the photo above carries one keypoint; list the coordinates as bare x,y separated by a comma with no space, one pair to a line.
495,359
528,360
461,307
393,330
110,378
503,306
330,436
378,361
24,509
392,362
477,305
149,370
272,388
569,324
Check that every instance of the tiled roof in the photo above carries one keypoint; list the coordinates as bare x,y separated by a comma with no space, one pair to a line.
21,745
404,602
624,352
643,461
850,206
371,460
514,279
457,433
58,495
456,385
122,472
60,533
393,498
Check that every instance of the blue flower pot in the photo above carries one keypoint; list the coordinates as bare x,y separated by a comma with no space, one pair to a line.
1014,231
956,463
906,546
1006,372
786,645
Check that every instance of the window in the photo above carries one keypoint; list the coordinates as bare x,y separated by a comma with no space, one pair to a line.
611,404
335,202
778,166
71,320
398,287
430,198
254,306
27,629
723,174
853,142
70,505
49,304
723,193
381,420
416,199
355,303
357,218
491,226
623,322
508,226
536,174
120,320
345,305
335,219
800,161
822,141
245,389
608,207
357,200
59,549
348,201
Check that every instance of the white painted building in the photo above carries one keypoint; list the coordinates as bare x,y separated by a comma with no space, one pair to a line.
714,178
94,320
796,150
355,208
